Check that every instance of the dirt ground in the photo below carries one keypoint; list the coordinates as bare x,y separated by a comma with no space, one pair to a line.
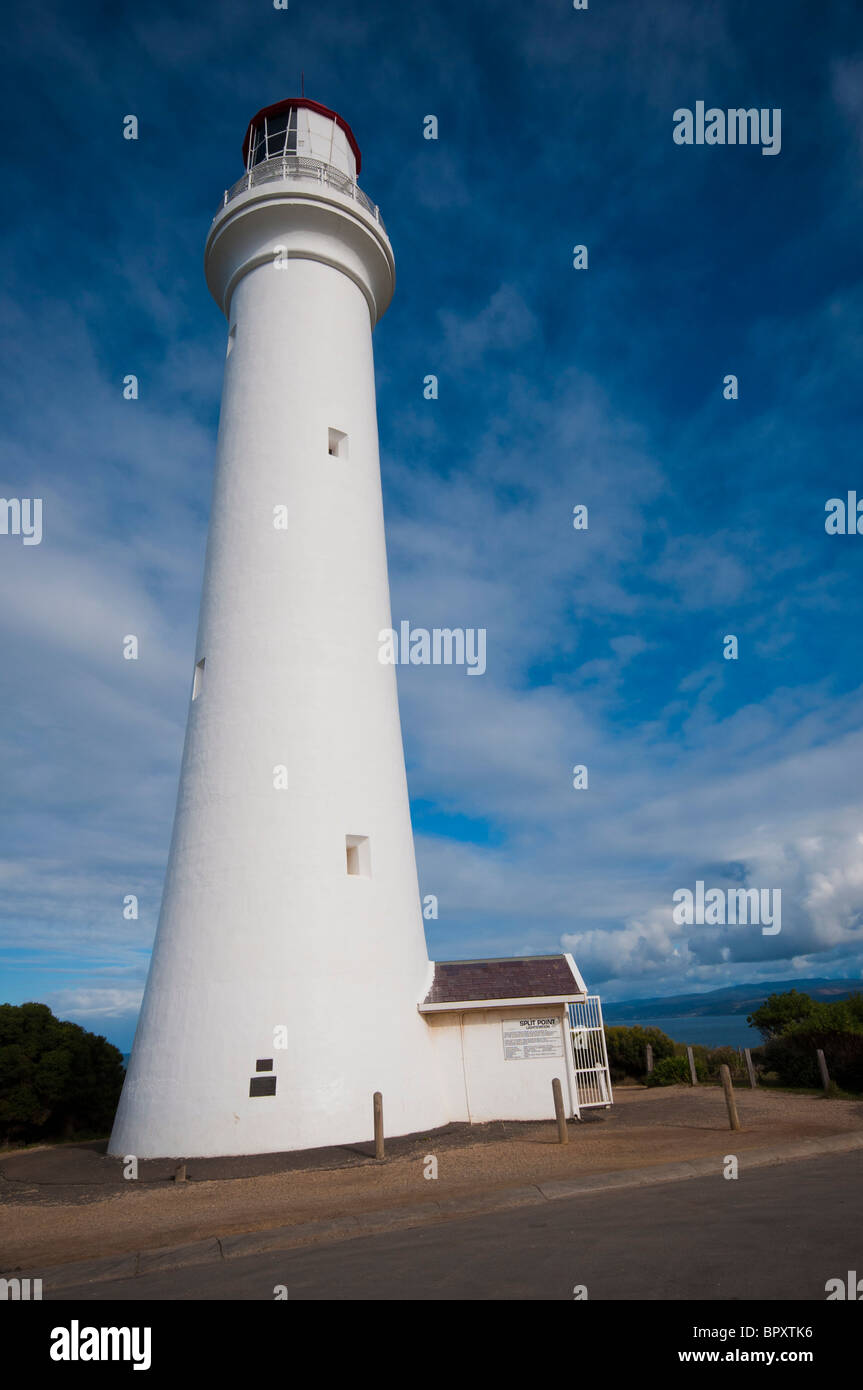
71,1202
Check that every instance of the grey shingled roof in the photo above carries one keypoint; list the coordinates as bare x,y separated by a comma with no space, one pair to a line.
522,977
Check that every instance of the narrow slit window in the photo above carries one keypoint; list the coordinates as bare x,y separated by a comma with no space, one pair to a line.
198,683
337,444
358,856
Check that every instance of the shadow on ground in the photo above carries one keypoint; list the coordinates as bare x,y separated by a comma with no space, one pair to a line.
54,1173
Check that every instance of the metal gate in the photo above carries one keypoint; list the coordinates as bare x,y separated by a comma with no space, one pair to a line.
592,1078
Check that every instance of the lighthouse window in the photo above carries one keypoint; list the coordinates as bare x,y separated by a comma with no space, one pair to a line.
358,856
198,683
337,444
264,1064
276,137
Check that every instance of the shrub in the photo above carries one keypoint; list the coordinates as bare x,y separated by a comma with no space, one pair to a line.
729,1057
670,1071
55,1077
792,1057
627,1050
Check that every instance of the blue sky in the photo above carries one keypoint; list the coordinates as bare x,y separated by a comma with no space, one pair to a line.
557,387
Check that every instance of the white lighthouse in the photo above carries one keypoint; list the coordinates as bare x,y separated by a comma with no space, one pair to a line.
290,955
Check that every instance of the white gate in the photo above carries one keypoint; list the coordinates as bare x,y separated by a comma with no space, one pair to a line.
592,1078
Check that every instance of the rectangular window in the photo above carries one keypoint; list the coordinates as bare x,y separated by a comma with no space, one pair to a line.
198,682
262,1086
338,444
358,856
264,1064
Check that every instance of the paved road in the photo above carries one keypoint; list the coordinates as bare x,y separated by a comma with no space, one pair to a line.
777,1233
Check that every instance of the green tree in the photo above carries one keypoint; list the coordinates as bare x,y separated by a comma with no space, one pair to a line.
55,1078
837,1029
779,1011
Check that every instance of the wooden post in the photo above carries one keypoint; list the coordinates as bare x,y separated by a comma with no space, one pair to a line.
560,1113
649,1058
728,1088
180,1172
379,1125
692,1072
753,1081
822,1067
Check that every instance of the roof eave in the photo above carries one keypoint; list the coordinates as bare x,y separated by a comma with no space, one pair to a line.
458,1005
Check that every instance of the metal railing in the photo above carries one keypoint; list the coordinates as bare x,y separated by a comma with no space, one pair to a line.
310,171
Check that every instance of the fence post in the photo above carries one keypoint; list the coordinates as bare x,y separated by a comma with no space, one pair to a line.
753,1082
649,1058
379,1125
822,1066
560,1113
728,1088
692,1071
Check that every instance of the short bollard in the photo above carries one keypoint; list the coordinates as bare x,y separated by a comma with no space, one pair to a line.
560,1113
753,1080
379,1125
727,1087
692,1072
649,1058
180,1173
822,1067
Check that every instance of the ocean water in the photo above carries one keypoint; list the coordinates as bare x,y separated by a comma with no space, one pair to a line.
719,1030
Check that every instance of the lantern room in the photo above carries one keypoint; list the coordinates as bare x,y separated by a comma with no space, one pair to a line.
301,129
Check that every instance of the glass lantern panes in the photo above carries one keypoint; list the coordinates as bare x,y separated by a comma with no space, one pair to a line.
275,137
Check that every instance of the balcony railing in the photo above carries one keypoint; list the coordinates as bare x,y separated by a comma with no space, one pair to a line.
308,170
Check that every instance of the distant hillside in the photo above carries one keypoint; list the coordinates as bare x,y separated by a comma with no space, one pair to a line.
733,999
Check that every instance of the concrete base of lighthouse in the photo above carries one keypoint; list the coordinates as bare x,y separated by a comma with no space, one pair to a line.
316,1093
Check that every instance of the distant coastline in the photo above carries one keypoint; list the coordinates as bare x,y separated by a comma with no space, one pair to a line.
717,1018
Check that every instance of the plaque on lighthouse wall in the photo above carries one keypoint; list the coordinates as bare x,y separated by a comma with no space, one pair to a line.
528,1038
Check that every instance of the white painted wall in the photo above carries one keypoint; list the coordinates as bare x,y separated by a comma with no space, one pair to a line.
496,1088
319,137
261,924
445,1032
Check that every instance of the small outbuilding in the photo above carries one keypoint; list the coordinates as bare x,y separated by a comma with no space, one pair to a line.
505,1029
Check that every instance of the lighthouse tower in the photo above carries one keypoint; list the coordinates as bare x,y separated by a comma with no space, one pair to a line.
290,955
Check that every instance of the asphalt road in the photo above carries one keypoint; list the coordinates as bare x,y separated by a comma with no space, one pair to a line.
777,1233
